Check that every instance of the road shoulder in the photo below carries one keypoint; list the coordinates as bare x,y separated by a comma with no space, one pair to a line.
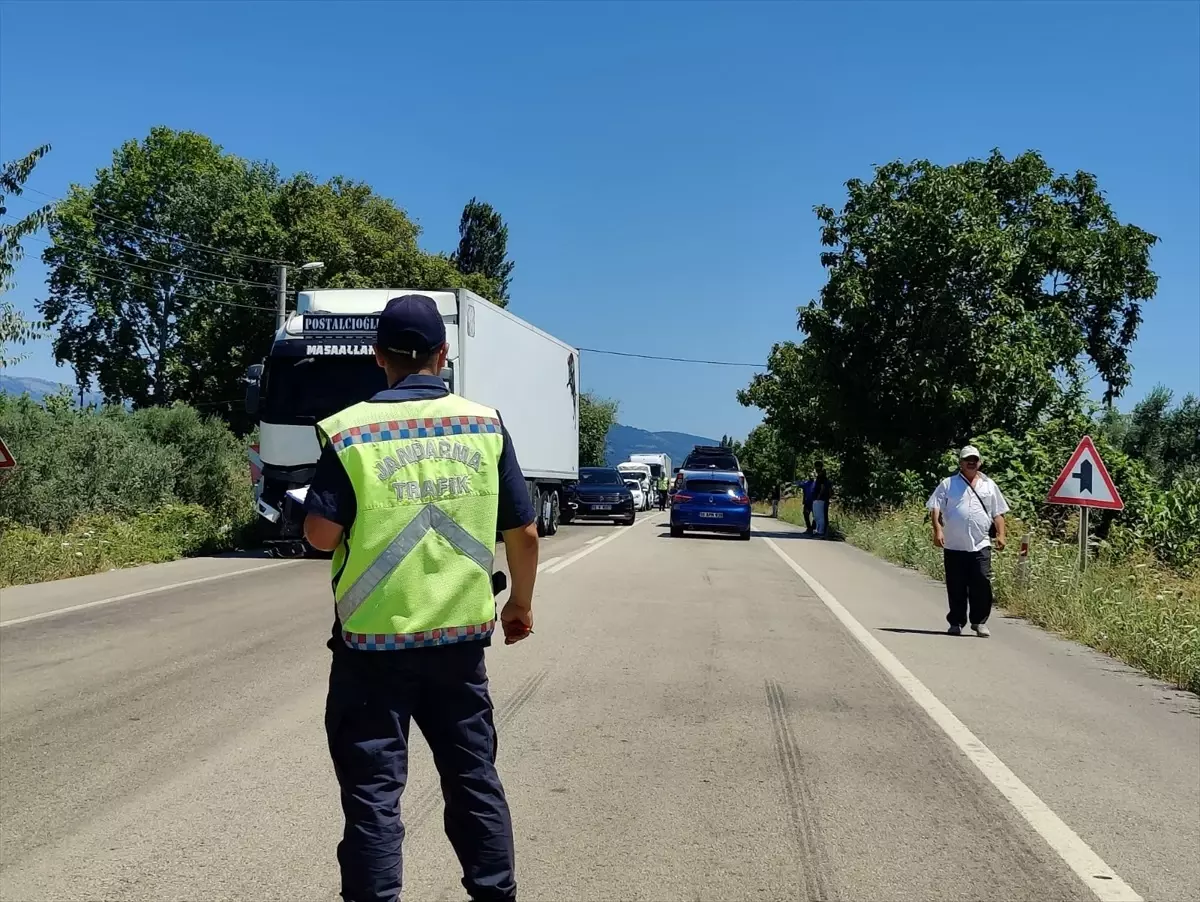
1114,753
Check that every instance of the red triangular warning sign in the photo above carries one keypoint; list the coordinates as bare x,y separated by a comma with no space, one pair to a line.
1085,482
7,461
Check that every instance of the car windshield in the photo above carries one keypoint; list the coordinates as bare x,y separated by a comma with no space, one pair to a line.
600,476
712,486
308,389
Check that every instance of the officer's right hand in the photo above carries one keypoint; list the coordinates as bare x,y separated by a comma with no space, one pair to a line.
517,622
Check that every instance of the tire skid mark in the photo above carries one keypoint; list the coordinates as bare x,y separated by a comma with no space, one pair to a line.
801,805
425,804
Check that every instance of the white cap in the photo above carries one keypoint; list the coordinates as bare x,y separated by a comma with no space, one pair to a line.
969,451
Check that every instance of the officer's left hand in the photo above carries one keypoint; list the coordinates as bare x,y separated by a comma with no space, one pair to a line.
517,622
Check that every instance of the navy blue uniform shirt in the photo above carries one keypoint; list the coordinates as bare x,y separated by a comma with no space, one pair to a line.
332,496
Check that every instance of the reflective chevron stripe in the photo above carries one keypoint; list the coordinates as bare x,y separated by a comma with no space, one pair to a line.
394,554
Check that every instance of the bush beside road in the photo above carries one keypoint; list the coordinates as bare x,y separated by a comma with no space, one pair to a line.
1125,604
97,489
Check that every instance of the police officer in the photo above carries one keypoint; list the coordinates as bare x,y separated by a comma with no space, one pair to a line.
663,483
410,491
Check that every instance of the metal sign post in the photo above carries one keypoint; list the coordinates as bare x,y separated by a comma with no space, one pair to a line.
1083,538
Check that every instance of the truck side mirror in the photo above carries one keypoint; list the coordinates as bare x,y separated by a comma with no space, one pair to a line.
253,388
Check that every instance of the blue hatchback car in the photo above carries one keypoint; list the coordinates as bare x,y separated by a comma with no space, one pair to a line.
711,501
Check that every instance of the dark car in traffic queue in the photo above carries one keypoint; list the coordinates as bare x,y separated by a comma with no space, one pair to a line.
710,501
708,459
600,494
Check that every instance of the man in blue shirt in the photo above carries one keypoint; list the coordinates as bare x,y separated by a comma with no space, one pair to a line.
373,694
810,487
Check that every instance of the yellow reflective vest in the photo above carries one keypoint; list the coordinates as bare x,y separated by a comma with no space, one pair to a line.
415,567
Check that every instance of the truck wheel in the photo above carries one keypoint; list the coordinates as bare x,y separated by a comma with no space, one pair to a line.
539,505
555,512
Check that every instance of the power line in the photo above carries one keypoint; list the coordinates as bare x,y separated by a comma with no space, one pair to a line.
199,274
195,245
191,297
215,403
757,366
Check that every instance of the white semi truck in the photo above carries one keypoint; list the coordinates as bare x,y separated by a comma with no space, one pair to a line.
322,360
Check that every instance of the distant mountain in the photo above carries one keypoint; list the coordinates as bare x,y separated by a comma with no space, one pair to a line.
625,440
39,388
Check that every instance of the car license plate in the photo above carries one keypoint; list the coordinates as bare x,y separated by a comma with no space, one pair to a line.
601,507
711,515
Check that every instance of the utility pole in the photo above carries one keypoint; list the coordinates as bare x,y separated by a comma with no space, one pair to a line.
281,311
160,368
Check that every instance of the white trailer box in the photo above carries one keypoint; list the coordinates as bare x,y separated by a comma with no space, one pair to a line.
531,377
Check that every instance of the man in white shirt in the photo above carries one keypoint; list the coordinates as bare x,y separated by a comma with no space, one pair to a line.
965,508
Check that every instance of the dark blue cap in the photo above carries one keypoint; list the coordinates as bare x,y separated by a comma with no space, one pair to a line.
410,325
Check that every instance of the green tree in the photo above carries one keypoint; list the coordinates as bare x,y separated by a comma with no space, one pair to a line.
596,417
483,246
959,299
15,328
1165,438
163,271
144,302
364,239
766,460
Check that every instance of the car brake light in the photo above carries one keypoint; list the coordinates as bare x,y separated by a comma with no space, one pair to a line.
679,496
740,498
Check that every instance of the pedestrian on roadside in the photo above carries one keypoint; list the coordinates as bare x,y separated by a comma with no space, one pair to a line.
776,494
809,486
412,523
967,511
822,495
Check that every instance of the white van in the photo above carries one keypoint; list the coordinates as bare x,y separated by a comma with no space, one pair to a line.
644,477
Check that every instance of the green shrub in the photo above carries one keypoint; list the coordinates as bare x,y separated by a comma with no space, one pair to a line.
213,470
100,489
102,542
73,464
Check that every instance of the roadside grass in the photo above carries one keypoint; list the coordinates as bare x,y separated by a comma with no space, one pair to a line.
103,542
1127,606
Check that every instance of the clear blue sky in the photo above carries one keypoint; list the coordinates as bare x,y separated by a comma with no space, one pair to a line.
657,163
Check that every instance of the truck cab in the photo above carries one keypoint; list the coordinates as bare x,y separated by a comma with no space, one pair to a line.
322,360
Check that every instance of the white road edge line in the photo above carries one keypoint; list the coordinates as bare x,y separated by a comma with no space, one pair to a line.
594,540
550,563
103,601
593,545
1078,855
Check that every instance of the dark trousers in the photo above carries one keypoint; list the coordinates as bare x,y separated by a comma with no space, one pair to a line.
968,585
372,698
808,516
662,500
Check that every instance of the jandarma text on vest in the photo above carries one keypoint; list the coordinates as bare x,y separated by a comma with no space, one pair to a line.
427,449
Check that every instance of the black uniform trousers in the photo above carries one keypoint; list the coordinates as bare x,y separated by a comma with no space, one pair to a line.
373,696
968,585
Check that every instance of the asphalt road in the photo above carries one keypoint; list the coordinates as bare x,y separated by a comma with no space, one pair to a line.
694,719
